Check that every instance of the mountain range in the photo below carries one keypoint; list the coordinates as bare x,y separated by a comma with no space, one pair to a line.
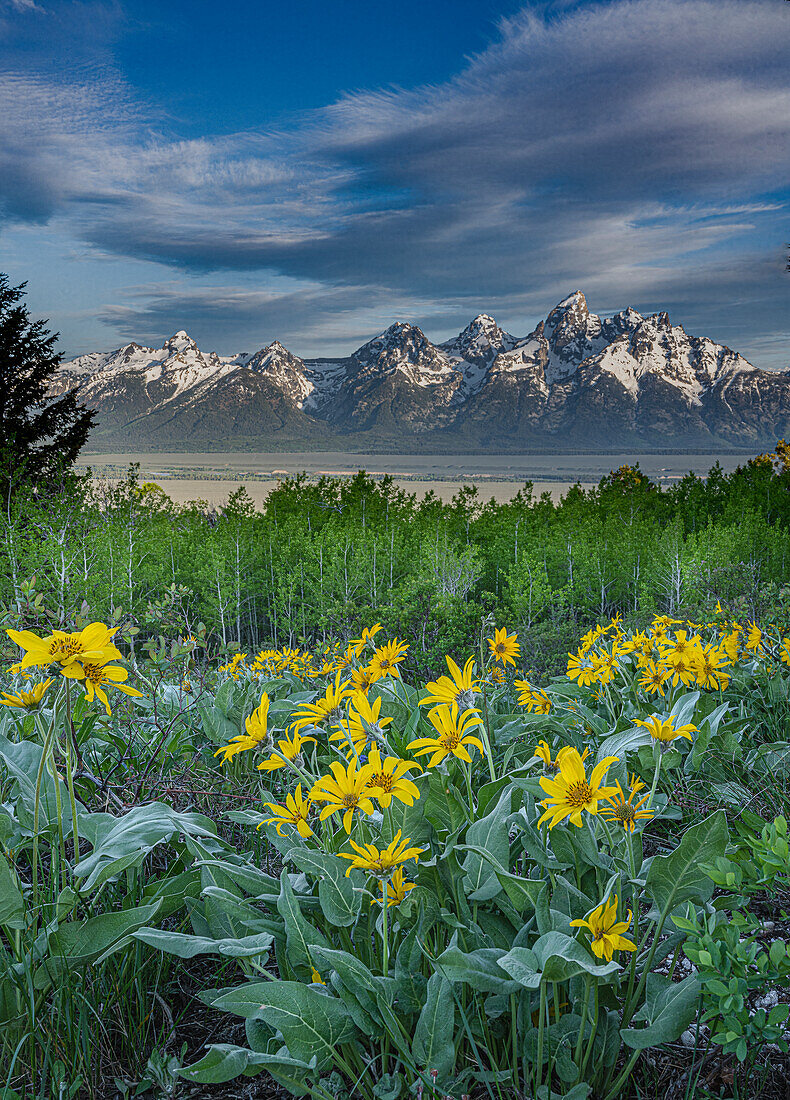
578,381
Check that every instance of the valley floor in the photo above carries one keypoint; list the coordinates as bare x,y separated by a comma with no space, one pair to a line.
214,476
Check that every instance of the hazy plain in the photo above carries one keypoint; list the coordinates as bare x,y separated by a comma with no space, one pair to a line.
214,476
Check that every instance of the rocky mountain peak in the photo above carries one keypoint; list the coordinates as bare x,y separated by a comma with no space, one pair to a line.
626,378
480,342
570,312
179,342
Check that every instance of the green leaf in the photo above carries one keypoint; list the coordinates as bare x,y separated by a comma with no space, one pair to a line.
433,1045
301,936
675,878
522,892
186,947
224,1062
138,832
351,970
12,904
340,897
554,957
490,835
669,1009
77,943
311,1022
478,969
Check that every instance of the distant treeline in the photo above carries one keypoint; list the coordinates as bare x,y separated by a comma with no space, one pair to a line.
324,558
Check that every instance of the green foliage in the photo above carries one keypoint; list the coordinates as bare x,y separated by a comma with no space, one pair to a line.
323,559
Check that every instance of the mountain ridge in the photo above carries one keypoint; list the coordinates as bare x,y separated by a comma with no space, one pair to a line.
576,380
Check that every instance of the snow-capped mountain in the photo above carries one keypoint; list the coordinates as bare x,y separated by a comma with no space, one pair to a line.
576,380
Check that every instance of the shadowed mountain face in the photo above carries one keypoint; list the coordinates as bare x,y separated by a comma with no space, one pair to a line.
577,381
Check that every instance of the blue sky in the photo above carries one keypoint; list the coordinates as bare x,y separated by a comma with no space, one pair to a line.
311,172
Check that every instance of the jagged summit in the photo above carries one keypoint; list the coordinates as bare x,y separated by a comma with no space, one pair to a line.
180,341
576,380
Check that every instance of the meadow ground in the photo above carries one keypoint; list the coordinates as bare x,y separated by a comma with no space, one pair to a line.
362,796
213,477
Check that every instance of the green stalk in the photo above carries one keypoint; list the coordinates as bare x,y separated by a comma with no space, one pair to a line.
37,804
624,1075
386,959
487,735
514,1041
593,1032
577,1054
541,1025
655,779
70,776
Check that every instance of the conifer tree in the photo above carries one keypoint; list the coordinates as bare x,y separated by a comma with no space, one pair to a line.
40,435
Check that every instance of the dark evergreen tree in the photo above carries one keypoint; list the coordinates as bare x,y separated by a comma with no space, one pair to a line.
40,434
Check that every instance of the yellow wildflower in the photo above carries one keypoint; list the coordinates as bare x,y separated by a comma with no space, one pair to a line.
256,727
387,657
92,644
380,862
653,677
458,687
606,930
97,677
26,699
533,699
453,739
368,635
287,750
624,810
345,790
504,647
390,779
570,793
394,890
364,678
664,731
582,668
294,812
325,711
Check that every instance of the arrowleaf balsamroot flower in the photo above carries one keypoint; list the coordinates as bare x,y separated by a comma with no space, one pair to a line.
256,726
543,752
664,731
363,722
387,657
367,635
288,749
571,792
380,862
328,710
26,699
652,677
92,644
582,669
97,677
390,779
458,687
453,739
364,678
504,647
533,699
345,790
294,812
606,930
708,665
396,889
624,810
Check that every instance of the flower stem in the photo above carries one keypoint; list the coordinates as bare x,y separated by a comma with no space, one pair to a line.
384,907
70,775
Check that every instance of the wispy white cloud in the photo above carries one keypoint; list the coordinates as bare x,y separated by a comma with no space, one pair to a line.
638,148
